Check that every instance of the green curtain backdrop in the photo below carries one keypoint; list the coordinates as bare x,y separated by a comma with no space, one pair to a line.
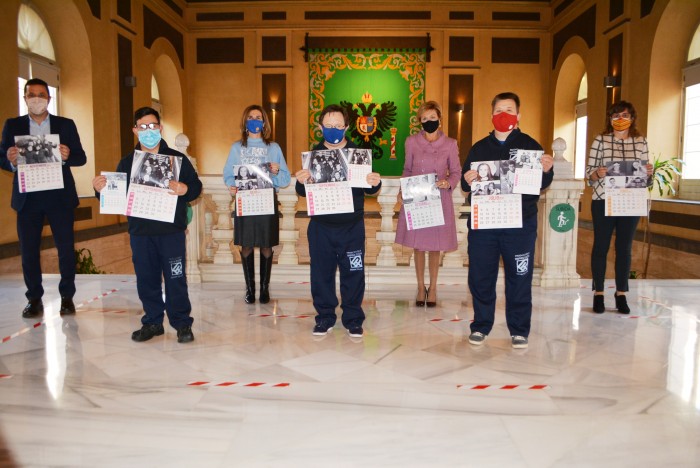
381,90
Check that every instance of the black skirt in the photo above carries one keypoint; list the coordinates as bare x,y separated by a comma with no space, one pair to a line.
257,231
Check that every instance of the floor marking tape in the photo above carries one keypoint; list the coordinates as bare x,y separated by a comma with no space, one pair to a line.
654,301
298,282
629,316
449,320
504,387
96,298
43,320
282,316
237,384
5,376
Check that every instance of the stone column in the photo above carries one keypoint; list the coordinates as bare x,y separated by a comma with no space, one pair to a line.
222,230
386,235
558,249
456,258
194,275
289,235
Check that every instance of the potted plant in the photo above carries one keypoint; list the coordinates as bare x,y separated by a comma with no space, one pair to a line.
662,175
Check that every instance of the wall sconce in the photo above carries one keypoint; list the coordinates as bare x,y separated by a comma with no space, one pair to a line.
460,108
130,81
273,106
611,81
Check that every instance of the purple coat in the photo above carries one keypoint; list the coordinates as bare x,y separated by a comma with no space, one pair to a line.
424,157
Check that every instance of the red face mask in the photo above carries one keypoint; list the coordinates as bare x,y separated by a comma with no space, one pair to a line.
504,122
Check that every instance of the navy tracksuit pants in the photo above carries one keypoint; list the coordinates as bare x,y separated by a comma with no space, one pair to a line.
517,248
332,248
156,259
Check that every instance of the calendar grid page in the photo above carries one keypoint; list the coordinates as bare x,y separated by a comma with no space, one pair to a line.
626,191
496,211
255,202
422,205
113,196
39,163
329,198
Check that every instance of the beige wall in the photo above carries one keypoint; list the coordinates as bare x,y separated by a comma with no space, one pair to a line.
206,101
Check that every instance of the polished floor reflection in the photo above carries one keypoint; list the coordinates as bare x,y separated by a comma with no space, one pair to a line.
257,389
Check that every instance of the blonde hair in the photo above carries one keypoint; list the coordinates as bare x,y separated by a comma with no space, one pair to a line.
429,105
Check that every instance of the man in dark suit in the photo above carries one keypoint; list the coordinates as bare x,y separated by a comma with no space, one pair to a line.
57,206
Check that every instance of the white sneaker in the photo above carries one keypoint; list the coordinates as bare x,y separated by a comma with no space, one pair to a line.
477,338
518,342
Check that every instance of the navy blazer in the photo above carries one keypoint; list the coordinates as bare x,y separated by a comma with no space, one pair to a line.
68,134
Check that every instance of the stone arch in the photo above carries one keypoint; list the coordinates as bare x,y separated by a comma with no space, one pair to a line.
570,69
170,80
73,54
677,25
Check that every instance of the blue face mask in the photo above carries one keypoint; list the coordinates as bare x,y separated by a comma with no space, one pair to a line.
333,135
254,125
149,138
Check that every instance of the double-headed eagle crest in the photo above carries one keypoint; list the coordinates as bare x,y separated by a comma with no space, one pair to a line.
369,122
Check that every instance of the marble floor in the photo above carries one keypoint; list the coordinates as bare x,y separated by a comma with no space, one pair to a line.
257,389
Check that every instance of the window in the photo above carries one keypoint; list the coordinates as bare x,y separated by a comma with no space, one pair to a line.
580,147
691,115
36,57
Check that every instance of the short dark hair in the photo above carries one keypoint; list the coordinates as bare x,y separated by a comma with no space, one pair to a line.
143,112
37,81
334,108
504,97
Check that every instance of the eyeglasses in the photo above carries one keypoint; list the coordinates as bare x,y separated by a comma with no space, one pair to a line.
148,126
337,127
624,115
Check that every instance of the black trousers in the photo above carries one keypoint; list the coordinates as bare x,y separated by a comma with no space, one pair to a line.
30,223
603,228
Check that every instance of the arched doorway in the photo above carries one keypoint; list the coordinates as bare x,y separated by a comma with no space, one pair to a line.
570,110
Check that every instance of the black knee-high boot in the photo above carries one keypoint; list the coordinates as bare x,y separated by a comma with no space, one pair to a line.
265,271
249,275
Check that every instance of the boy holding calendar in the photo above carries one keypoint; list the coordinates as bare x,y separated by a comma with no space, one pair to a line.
337,241
516,245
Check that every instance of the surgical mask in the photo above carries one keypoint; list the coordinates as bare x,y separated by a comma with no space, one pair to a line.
254,125
621,124
149,138
504,122
37,105
333,135
430,126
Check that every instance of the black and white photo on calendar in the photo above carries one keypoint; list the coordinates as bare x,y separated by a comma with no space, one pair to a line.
38,149
154,170
252,176
325,166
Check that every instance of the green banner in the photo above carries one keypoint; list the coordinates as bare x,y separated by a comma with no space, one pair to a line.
381,90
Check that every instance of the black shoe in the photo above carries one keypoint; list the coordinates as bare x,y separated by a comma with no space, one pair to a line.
67,306
621,304
33,308
184,335
355,332
248,264
322,330
422,303
147,332
430,303
598,303
265,271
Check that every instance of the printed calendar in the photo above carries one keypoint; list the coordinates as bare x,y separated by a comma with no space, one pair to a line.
359,166
149,196
113,196
496,211
255,202
626,192
39,163
422,205
329,198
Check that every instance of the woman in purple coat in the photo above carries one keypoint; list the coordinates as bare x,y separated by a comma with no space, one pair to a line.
431,152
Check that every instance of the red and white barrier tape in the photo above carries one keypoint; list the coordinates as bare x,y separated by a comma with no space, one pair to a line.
298,282
449,320
503,387
43,321
283,316
5,376
237,384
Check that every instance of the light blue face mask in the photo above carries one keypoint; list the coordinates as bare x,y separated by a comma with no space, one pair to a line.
254,125
149,138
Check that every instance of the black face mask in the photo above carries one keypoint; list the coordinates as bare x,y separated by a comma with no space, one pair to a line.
430,126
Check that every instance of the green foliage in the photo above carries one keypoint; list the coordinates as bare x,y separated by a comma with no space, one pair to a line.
663,173
84,265
634,274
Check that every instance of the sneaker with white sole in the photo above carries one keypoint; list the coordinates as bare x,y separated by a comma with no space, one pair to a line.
477,338
322,330
518,342
355,332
